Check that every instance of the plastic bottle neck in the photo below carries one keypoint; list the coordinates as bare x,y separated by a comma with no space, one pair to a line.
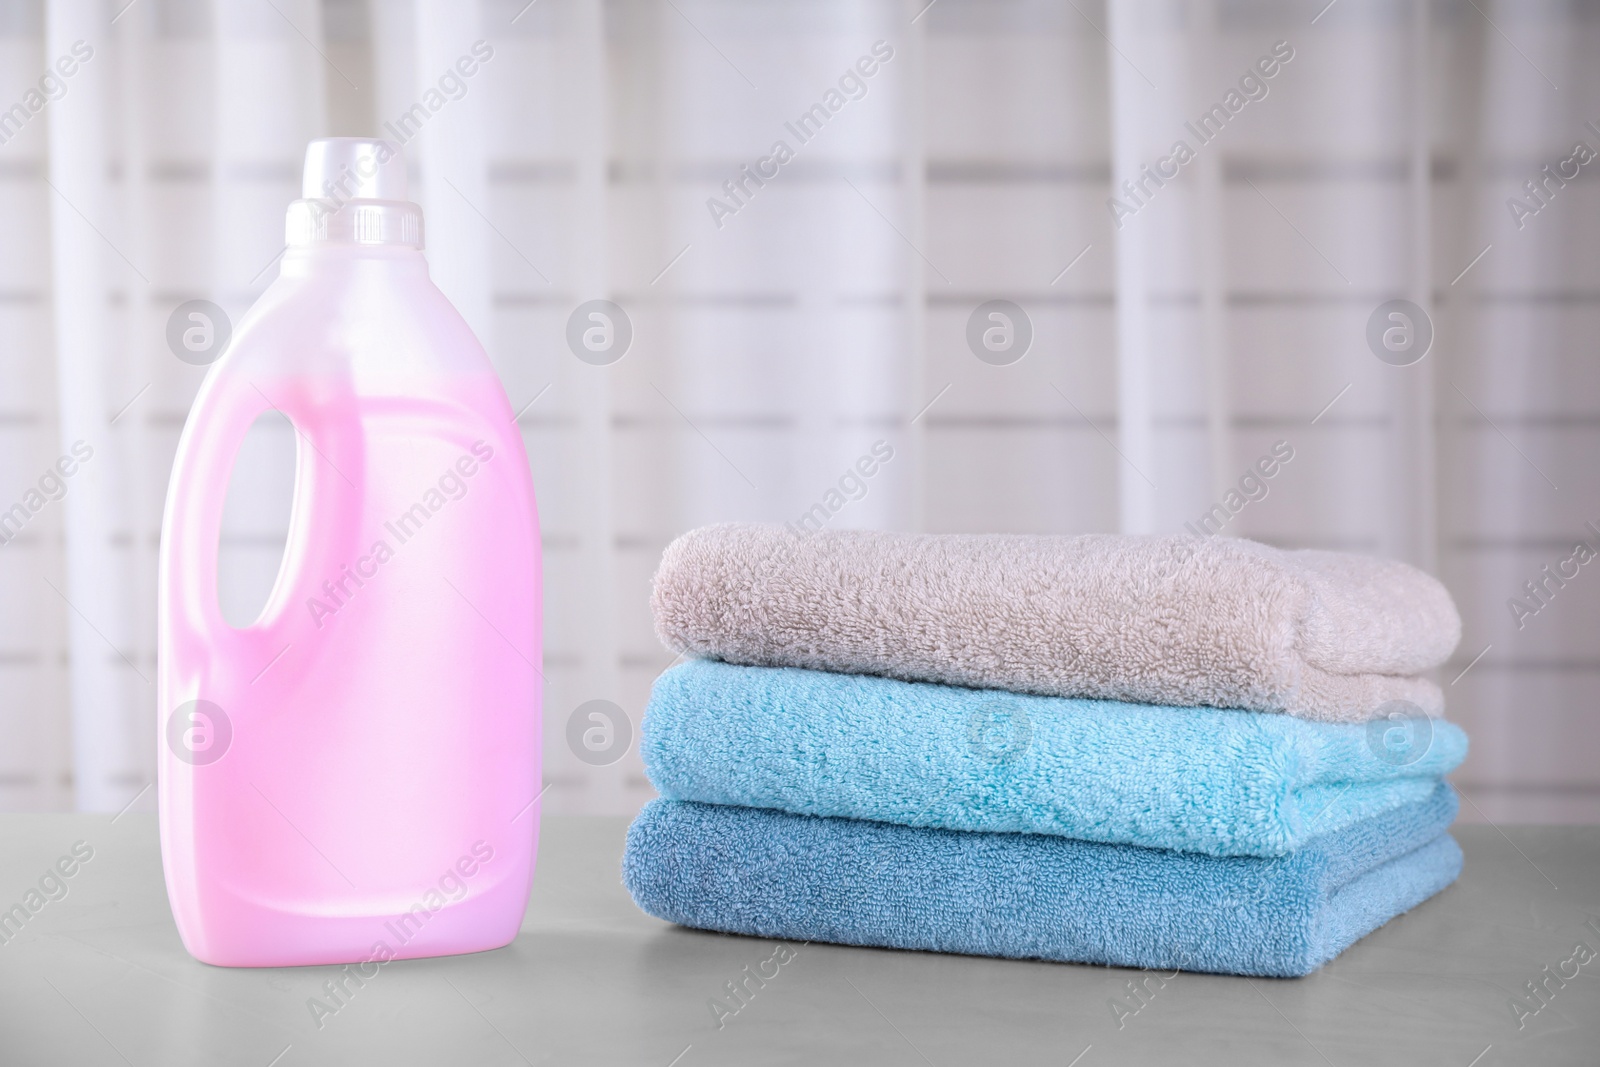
306,261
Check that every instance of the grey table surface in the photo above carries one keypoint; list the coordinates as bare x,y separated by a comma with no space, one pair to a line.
100,977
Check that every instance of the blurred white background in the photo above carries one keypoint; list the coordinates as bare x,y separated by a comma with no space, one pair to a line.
1227,313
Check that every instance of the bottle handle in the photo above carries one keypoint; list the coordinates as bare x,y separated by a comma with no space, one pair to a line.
223,412
329,466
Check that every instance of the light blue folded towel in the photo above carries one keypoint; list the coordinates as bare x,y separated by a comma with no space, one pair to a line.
1206,780
1036,896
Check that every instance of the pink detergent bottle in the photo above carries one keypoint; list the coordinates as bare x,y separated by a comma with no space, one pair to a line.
351,778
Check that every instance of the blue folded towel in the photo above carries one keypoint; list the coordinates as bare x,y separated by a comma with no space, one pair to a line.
1036,896
1205,780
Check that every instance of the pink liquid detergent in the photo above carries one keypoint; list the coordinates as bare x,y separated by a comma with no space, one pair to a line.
351,777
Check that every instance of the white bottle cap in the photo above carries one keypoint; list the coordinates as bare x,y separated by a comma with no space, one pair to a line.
353,168
353,191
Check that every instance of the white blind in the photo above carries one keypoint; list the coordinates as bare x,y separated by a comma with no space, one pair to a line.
777,337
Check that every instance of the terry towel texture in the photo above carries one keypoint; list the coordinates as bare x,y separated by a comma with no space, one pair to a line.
1220,622
1206,780
805,878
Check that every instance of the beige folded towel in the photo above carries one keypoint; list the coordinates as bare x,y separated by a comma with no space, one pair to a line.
1158,620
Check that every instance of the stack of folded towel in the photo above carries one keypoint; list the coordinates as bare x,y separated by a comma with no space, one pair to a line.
1159,752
